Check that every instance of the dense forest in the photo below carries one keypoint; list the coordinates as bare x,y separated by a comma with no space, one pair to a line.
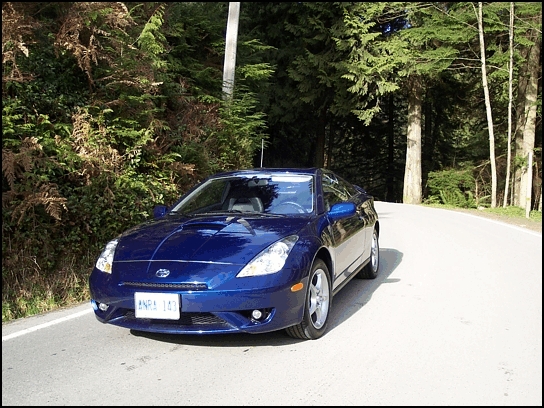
111,108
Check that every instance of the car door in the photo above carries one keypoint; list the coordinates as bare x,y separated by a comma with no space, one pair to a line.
368,217
347,233
360,239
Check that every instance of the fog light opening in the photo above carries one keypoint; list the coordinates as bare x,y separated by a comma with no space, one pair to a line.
258,316
103,306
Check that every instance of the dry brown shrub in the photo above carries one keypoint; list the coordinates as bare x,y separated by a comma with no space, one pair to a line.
17,29
87,40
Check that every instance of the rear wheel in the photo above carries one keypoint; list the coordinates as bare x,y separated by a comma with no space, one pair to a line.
370,270
316,306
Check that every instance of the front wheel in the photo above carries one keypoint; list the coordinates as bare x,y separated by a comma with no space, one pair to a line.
370,270
317,305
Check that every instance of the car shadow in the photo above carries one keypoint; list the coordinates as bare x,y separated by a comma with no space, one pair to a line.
346,303
358,292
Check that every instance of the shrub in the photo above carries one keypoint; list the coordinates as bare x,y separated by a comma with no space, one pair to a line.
451,187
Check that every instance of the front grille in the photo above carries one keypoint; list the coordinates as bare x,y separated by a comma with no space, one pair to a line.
186,319
179,286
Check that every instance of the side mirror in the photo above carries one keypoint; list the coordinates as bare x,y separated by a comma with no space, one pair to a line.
160,211
342,210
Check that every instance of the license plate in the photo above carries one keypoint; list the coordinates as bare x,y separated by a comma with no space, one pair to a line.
156,305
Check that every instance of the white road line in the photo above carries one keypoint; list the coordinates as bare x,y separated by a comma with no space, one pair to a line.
44,325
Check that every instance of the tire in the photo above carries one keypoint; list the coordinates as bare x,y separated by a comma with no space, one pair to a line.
370,270
317,305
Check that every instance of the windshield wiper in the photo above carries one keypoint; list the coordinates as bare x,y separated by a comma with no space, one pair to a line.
247,212
175,212
216,212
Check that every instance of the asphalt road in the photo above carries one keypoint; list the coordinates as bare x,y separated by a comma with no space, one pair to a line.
454,318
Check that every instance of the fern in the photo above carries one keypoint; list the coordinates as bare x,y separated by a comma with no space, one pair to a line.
47,196
151,40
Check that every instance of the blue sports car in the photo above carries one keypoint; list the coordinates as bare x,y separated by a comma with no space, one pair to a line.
250,251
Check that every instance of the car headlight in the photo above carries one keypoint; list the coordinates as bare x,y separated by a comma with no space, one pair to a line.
271,260
105,260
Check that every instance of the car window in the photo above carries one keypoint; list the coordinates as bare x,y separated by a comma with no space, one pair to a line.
295,194
336,190
207,198
347,186
273,193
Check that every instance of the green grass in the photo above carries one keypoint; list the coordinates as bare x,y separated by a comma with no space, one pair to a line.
515,212
508,212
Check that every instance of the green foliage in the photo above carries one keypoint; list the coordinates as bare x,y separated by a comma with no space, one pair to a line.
233,146
151,40
515,211
372,57
452,187
90,145
196,43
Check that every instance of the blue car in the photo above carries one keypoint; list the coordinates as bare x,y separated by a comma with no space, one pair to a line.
247,251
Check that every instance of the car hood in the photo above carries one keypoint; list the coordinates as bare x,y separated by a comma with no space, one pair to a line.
222,239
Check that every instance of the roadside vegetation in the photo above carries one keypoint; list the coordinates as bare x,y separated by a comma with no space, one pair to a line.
509,215
516,213
109,108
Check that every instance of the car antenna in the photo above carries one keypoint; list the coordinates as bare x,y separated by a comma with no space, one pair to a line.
262,151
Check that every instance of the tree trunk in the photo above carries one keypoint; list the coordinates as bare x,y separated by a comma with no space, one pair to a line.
521,118
529,185
412,170
539,208
488,111
526,117
510,75
230,49
529,129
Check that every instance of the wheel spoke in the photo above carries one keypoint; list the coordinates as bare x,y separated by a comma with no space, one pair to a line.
374,252
312,305
318,306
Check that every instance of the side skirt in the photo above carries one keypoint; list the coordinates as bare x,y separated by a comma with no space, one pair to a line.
350,277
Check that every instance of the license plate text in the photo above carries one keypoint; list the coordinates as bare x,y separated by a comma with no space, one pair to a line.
157,305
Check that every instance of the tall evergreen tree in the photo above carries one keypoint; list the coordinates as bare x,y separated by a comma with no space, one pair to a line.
528,35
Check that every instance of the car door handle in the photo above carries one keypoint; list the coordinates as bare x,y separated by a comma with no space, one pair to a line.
360,214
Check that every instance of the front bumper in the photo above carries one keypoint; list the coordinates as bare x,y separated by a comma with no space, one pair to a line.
212,311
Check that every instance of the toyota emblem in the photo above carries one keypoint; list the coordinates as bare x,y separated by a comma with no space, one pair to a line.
162,273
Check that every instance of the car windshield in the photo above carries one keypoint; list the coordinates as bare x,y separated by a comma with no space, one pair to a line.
266,194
